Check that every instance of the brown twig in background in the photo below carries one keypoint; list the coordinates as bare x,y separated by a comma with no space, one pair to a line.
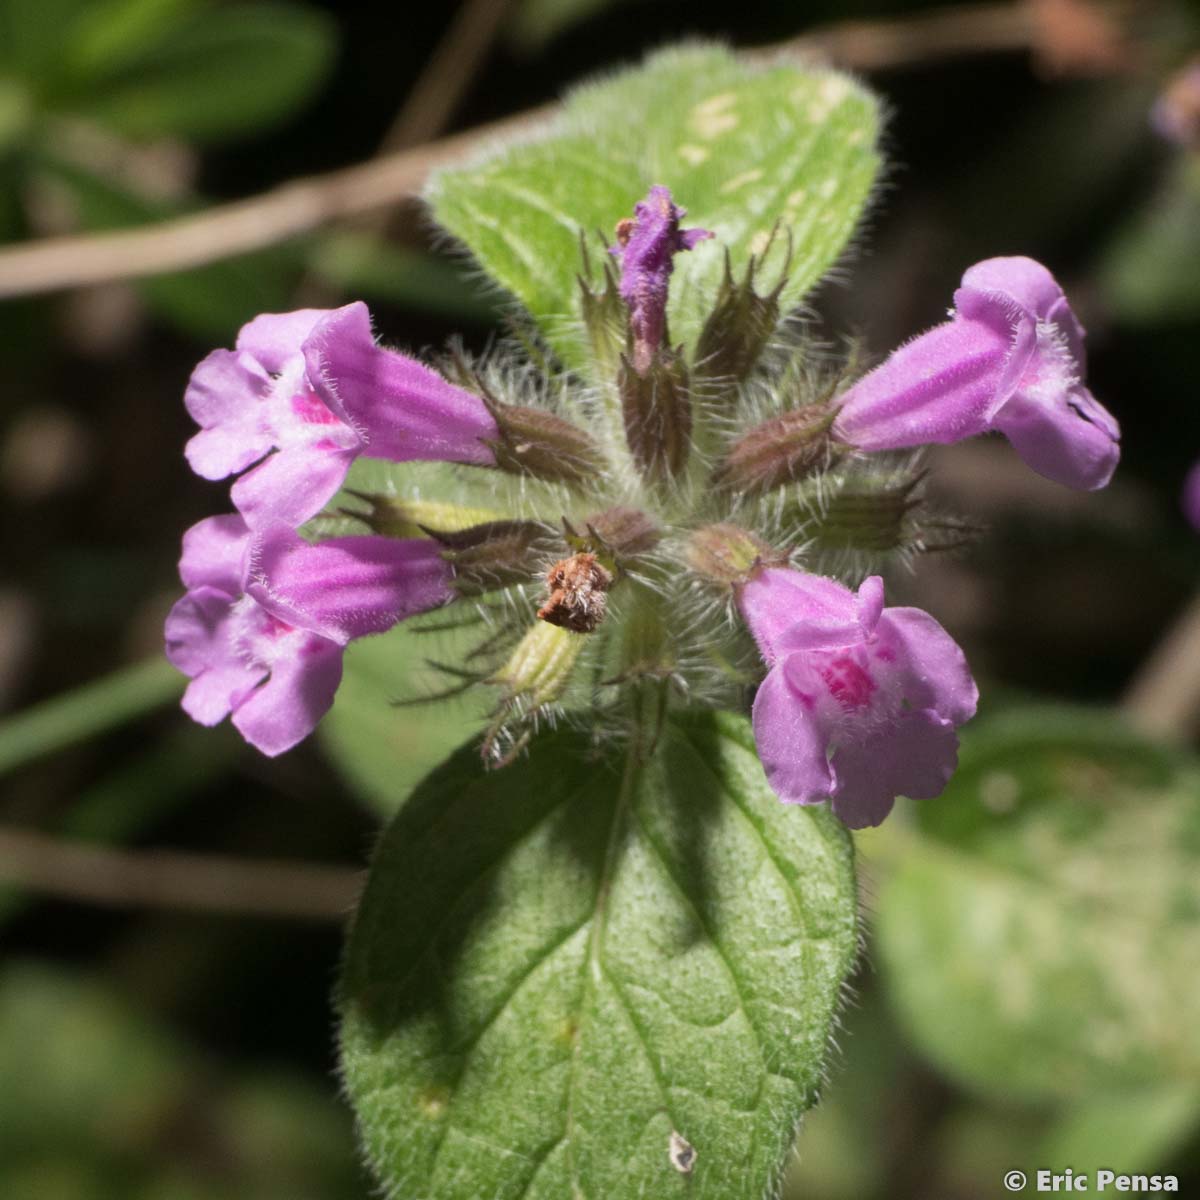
173,880
302,205
1164,698
447,74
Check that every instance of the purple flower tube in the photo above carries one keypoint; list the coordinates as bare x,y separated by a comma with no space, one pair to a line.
261,629
303,394
1009,359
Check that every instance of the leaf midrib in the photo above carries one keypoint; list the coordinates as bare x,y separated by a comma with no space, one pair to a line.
591,963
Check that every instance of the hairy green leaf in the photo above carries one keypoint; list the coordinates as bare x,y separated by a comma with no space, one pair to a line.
584,977
743,150
1041,936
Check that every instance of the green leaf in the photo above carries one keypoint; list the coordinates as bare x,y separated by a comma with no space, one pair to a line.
31,33
741,148
562,970
1125,1132
87,711
112,32
1040,936
215,75
383,748
1152,270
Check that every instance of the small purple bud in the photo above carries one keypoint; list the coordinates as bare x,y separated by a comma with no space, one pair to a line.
1010,359
647,244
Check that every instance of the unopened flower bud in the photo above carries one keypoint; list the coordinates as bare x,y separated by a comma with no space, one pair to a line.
780,450
727,554
605,316
497,554
535,442
868,516
739,326
622,532
539,668
646,246
657,408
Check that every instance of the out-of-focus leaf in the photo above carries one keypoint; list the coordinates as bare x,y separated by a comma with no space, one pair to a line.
86,711
1126,1132
536,22
1151,272
91,1073
210,302
111,32
362,265
102,1103
594,976
234,70
16,113
130,798
746,151
31,36
1040,936
842,1150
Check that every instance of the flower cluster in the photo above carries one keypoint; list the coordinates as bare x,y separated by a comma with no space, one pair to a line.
643,532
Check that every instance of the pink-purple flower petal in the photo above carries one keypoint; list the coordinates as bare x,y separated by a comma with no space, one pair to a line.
403,410
291,485
214,552
1011,359
274,339
861,721
261,630
348,587
914,757
299,692
790,744
1190,498
935,389
225,397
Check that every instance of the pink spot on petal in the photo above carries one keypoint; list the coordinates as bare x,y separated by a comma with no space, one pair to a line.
884,654
274,628
312,411
848,683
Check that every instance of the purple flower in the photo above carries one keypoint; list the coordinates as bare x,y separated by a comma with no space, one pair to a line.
261,630
860,702
308,392
647,245
1190,498
1011,359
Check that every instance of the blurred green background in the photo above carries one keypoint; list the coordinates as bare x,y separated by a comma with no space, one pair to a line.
1029,990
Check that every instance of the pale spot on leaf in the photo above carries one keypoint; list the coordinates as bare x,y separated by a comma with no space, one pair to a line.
738,181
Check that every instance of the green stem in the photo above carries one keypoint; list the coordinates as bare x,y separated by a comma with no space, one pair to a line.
89,710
